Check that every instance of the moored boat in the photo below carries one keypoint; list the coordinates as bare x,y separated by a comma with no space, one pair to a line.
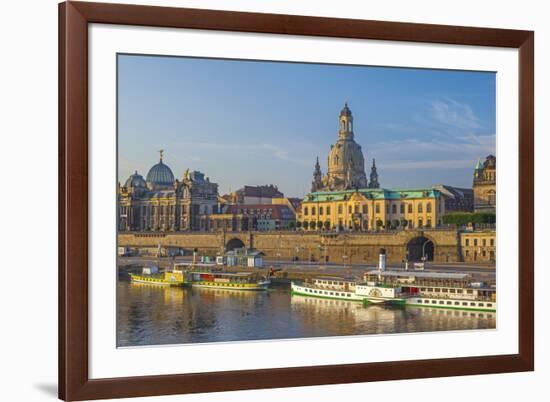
211,277
328,287
425,289
152,276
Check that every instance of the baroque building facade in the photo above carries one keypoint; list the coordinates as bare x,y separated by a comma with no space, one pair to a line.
478,245
162,203
346,163
371,209
485,179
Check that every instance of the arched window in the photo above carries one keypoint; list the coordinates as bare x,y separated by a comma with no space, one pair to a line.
320,210
420,208
491,198
349,126
336,159
312,211
306,211
342,125
410,209
429,207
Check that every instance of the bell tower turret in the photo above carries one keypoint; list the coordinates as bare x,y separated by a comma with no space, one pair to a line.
345,129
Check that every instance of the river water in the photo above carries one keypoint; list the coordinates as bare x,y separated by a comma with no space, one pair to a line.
156,315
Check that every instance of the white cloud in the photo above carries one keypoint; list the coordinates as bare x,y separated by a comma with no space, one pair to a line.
454,114
430,154
274,151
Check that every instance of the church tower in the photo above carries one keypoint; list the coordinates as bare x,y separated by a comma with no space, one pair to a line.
374,176
317,183
346,164
346,123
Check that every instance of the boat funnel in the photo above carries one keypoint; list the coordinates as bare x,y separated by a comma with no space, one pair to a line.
382,260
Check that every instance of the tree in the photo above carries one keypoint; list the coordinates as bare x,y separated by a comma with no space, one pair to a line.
305,225
466,218
298,224
327,225
313,225
291,225
379,224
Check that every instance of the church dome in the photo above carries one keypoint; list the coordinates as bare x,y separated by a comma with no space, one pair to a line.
160,175
136,180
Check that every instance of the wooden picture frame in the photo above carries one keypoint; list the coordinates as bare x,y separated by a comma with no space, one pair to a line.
74,382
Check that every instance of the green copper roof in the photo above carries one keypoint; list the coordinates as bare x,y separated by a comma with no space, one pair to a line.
374,194
479,166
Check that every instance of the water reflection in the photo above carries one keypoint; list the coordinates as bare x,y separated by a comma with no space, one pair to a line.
152,315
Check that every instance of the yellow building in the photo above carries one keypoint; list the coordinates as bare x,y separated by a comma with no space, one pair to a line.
478,246
371,209
485,178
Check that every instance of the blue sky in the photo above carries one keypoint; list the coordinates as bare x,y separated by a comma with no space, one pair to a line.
249,122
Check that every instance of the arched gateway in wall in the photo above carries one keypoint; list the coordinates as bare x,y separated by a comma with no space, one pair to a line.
419,247
233,244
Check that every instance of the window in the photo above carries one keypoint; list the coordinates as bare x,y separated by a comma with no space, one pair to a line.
420,223
492,242
328,210
356,209
365,209
320,210
340,208
410,209
483,242
419,208
305,211
429,207
349,209
394,209
467,242
402,208
377,209
312,210
475,242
